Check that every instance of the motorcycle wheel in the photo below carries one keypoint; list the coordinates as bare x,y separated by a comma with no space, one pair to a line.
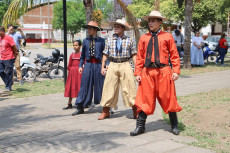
30,76
53,74
212,58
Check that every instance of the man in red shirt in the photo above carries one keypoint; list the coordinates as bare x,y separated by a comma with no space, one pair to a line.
155,77
8,51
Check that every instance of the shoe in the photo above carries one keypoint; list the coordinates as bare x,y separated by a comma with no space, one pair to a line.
105,113
21,82
174,123
140,126
216,63
134,111
223,65
68,107
80,110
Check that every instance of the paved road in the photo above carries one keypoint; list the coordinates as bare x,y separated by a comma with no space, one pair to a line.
38,124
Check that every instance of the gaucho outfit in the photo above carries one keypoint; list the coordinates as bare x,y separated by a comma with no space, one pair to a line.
92,79
152,65
119,50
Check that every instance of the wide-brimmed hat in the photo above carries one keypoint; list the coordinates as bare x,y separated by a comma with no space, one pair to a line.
120,22
155,14
92,24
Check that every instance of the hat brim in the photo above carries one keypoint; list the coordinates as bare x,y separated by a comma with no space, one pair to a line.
113,23
160,17
87,26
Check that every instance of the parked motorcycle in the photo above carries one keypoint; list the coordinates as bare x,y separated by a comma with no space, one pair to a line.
50,65
208,54
28,70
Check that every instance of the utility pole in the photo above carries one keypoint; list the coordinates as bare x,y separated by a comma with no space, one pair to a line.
65,41
49,22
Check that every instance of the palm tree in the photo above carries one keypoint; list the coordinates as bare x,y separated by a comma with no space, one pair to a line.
188,29
89,9
20,7
16,7
131,19
157,5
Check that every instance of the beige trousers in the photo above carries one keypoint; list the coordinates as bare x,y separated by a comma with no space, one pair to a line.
119,74
18,68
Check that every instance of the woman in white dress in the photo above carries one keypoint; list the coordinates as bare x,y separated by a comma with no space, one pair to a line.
197,58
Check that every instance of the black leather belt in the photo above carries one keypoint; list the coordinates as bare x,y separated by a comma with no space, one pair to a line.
154,65
120,60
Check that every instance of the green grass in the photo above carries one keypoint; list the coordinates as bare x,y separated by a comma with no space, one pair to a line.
37,88
205,116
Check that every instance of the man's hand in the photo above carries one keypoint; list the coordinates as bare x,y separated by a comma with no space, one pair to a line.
103,70
80,70
174,76
138,78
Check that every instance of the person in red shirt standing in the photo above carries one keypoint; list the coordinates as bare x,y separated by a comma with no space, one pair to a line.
223,49
8,51
155,76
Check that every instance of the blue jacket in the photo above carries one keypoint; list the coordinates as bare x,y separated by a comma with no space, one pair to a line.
99,48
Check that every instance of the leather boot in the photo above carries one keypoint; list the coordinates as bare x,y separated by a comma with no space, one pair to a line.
80,110
134,111
140,126
174,123
105,113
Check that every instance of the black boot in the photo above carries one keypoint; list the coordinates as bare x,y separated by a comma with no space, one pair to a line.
80,110
140,126
174,123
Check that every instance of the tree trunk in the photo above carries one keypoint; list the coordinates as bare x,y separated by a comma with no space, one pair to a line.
157,5
72,34
188,29
89,10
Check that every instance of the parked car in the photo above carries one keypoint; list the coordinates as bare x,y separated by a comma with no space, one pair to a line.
212,42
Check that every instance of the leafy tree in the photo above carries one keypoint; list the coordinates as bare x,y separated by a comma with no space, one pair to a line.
75,16
106,8
204,12
141,8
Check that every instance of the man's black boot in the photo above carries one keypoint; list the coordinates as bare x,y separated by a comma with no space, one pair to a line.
140,126
174,123
80,110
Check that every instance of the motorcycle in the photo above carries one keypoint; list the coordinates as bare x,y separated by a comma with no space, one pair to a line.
208,54
27,69
50,65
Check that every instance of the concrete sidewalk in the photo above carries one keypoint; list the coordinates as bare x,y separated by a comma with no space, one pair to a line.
38,124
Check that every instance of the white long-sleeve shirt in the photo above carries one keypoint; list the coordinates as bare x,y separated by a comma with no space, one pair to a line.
179,40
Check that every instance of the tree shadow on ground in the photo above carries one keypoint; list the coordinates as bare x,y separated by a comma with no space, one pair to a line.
13,116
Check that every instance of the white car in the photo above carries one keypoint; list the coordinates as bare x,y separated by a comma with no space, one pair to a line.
212,42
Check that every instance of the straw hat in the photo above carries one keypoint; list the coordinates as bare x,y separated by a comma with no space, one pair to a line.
155,14
120,22
92,24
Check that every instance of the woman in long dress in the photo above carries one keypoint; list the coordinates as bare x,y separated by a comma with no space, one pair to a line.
197,58
74,77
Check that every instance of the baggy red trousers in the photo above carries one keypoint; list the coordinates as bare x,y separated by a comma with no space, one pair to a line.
156,83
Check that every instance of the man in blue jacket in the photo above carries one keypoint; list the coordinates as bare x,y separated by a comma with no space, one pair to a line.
92,79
